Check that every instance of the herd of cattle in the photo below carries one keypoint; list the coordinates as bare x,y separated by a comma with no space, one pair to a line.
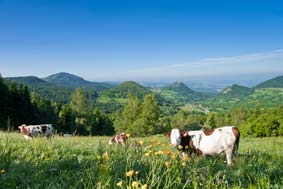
202,142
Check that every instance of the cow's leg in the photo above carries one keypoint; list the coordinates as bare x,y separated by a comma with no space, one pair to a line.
229,155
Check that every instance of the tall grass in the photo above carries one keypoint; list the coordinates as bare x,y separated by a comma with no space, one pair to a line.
89,162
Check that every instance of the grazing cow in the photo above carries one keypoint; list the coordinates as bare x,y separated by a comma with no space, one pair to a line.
30,131
118,139
208,142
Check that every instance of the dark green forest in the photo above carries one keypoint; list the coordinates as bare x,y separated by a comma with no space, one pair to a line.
131,108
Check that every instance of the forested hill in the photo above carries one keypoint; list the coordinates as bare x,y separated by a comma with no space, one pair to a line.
266,94
29,80
276,82
43,88
72,81
235,91
180,87
179,92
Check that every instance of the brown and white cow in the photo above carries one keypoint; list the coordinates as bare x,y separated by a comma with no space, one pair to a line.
118,139
208,142
43,130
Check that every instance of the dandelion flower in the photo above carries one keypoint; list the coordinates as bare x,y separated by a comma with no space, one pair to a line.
147,154
128,135
167,164
2,171
141,142
136,172
184,164
105,156
119,184
180,147
185,158
130,173
135,184
144,186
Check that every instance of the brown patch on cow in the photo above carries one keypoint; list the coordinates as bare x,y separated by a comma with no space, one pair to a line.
208,132
167,135
44,128
236,133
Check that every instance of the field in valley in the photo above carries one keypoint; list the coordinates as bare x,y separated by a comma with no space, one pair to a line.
89,162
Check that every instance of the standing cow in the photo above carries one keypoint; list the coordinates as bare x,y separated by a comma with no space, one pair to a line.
208,143
43,130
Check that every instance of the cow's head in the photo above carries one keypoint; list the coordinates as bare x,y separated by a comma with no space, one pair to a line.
23,129
180,140
167,134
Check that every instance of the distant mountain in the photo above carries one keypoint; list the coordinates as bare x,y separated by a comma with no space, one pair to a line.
72,81
43,88
179,87
179,92
122,90
28,80
235,91
276,82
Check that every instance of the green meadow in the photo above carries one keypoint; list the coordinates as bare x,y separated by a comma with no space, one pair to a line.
89,162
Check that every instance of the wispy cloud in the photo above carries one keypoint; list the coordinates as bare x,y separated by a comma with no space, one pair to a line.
247,63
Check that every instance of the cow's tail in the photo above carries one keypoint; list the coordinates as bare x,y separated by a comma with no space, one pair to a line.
236,133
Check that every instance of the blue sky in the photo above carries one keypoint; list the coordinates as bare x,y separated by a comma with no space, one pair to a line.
144,40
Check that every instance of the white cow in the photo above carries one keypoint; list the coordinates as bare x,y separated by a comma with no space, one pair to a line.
208,143
43,130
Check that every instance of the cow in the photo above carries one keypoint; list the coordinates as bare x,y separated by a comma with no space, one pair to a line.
118,139
43,130
208,142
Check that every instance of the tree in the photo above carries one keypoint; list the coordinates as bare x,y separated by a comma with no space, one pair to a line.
211,121
124,121
147,123
179,120
78,102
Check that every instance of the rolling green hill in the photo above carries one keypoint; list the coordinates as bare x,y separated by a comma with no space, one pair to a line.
276,82
114,99
72,81
266,94
179,93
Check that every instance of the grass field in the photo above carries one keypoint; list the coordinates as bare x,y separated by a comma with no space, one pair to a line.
89,162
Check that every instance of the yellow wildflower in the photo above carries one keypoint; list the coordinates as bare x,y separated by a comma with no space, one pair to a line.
136,172
186,147
180,147
184,164
105,156
173,157
141,142
135,184
185,158
119,184
2,171
144,186
147,154
128,135
130,173
167,164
